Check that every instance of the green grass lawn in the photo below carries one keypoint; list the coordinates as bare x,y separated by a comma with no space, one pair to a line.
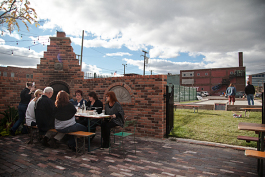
213,126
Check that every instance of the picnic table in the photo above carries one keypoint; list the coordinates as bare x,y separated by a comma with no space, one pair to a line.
259,129
89,117
249,109
185,105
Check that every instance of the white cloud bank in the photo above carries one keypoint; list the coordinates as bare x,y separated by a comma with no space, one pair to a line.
216,29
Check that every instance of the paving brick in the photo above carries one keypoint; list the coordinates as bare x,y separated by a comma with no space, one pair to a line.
181,159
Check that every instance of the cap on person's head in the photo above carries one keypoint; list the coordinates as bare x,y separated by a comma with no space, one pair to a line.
48,90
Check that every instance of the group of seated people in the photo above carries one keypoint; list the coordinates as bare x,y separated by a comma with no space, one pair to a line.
47,114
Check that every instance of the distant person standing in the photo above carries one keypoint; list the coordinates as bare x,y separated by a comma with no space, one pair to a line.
231,93
250,91
25,97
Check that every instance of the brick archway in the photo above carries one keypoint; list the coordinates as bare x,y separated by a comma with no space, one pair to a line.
58,86
127,88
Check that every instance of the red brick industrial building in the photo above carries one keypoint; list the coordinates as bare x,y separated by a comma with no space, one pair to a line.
215,80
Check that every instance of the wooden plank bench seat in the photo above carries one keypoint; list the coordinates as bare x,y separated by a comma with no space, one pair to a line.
255,154
248,138
185,105
80,147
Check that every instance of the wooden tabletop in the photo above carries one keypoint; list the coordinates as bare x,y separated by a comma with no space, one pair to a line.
252,108
251,126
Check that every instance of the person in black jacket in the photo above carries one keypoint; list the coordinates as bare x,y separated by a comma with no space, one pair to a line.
25,97
250,91
44,114
94,104
65,117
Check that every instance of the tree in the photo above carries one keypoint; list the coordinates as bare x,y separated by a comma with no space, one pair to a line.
15,10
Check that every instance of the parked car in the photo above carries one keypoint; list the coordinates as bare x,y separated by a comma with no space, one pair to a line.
200,94
199,97
258,95
240,94
205,93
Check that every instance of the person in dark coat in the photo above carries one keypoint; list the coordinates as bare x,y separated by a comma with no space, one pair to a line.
44,114
25,97
94,104
113,108
250,91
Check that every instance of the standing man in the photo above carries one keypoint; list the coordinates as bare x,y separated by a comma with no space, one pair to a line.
231,93
250,91
25,97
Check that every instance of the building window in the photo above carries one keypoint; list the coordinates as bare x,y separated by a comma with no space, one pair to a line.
184,74
231,72
27,75
206,74
4,73
12,74
201,88
190,74
31,76
198,74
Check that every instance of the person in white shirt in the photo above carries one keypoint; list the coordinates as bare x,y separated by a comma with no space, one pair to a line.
30,113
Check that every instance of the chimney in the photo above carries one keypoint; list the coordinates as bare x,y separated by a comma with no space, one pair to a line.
60,34
240,58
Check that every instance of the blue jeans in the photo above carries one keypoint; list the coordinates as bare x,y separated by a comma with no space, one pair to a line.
74,128
250,97
21,116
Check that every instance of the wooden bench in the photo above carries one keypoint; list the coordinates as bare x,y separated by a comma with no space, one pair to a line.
255,154
260,155
248,138
184,105
82,136
250,109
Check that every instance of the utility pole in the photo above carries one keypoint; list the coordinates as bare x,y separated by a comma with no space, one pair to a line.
82,48
151,71
124,68
144,59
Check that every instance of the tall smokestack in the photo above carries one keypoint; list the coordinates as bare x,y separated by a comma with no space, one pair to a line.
240,58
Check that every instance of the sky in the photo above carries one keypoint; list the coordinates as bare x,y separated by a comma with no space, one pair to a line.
177,34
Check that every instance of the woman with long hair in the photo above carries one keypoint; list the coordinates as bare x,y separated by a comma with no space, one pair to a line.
65,117
113,108
94,104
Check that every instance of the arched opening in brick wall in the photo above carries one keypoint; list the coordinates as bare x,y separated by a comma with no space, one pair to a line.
58,86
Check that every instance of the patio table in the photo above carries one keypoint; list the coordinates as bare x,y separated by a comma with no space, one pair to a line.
259,129
89,117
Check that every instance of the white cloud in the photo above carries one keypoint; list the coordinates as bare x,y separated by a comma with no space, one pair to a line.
215,29
118,54
162,66
22,57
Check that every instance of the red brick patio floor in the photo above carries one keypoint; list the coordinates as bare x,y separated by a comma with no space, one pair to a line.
154,158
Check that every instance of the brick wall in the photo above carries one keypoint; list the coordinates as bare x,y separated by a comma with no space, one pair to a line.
18,72
59,67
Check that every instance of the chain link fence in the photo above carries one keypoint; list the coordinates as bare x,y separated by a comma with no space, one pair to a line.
182,93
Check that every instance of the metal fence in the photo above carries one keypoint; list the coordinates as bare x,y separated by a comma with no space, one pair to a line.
182,93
